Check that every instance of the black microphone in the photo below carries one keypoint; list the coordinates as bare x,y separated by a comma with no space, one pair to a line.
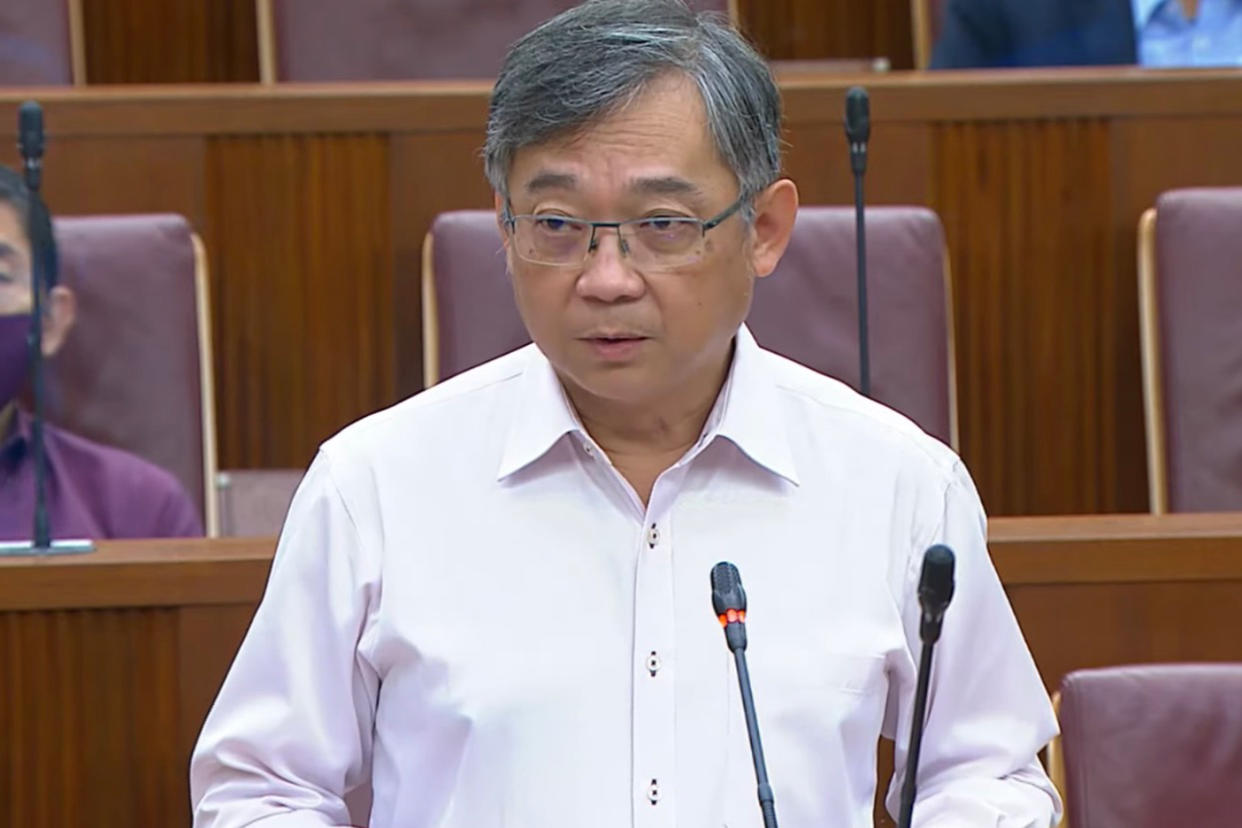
858,132
729,601
30,142
935,592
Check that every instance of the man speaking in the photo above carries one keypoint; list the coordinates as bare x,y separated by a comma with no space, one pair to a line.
490,603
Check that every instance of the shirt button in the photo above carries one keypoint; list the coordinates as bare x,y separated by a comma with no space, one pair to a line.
653,536
653,792
588,449
653,663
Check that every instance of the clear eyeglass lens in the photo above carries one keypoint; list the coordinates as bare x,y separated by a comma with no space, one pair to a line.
654,242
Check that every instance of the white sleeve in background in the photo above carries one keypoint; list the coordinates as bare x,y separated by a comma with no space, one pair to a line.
988,714
290,732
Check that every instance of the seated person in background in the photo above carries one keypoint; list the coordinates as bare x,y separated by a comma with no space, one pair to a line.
1154,33
93,491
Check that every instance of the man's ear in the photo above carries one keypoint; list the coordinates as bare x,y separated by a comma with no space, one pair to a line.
500,217
776,209
62,310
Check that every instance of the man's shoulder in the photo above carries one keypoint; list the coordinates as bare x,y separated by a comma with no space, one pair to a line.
830,406
452,408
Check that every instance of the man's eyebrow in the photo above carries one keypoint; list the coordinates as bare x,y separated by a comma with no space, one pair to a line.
667,185
548,180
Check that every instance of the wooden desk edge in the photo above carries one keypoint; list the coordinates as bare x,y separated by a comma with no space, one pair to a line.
1027,551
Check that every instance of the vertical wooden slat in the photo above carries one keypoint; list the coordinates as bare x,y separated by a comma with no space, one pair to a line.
1026,212
815,29
298,234
88,719
169,41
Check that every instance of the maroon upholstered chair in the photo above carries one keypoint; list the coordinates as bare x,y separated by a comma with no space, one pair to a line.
1190,299
330,40
1153,746
806,310
253,502
135,371
37,41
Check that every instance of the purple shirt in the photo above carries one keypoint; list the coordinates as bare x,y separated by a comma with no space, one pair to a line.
93,491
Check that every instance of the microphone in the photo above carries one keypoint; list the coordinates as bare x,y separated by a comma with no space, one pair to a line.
39,232
30,142
729,602
857,133
935,593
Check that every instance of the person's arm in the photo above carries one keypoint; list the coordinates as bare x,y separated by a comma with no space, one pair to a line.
290,733
972,35
988,714
177,517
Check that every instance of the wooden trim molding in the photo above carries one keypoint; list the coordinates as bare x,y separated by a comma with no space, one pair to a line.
1153,381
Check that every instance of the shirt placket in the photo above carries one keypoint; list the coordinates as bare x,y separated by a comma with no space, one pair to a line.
654,665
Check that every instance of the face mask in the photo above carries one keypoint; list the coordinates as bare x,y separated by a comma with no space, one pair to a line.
14,355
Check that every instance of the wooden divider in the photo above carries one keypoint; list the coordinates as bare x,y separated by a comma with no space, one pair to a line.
109,662
313,201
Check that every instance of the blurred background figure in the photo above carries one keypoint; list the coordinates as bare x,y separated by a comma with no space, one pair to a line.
1155,33
93,491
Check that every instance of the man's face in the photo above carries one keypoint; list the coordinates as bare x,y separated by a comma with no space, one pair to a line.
616,332
15,296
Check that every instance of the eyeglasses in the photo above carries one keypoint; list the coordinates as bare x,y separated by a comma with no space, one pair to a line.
655,242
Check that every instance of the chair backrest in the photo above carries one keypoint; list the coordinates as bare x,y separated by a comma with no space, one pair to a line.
253,502
330,40
806,310
135,371
1153,746
1190,306
37,42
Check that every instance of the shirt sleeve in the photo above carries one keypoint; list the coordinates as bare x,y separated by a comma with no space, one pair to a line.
290,733
177,517
988,714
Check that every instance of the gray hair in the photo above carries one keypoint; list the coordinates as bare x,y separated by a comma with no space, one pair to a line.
586,63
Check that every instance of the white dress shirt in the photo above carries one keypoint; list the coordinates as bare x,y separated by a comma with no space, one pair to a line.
472,612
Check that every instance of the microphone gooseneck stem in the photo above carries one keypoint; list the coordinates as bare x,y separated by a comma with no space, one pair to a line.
39,224
909,789
767,802
860,225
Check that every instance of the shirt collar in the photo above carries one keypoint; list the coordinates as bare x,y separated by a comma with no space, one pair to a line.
745,413
1143,10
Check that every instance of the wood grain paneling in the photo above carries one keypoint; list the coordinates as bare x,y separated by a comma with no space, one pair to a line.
89,713
297,231
170,41
815,29
1026,213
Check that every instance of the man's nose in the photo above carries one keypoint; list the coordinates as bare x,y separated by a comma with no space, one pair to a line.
608,275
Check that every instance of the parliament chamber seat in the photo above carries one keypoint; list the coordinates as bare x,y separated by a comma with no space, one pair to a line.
135,371
1190,305
1153,746
327,40
253,502
40,42
806,310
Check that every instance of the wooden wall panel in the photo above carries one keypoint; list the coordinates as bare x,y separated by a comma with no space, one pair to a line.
170,41
297,231
813,29
89,703
1026,209
116,174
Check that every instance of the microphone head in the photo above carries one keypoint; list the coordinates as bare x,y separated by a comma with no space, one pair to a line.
936,580
30,130
857,115
727,592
